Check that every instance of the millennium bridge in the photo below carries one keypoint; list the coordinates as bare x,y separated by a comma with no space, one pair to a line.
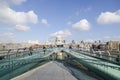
57,63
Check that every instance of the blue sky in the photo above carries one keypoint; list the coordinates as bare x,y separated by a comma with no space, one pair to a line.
23,20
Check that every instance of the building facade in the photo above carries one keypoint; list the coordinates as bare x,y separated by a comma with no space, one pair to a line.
113,45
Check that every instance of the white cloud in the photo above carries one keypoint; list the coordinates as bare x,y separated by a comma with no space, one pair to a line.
7,3
82,25
45,22
117,37
109,17
10,16
107,37
18,2
89,40
83,10
112,38
7,37
22,28
61,33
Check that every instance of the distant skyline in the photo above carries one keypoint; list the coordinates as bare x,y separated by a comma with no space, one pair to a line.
23,20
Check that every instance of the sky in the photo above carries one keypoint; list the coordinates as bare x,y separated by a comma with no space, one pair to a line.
89,20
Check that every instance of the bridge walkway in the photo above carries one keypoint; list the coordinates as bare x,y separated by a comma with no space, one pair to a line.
49,71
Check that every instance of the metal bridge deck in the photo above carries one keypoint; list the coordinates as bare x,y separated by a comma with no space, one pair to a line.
49,71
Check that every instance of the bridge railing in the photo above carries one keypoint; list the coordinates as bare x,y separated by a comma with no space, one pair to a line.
12,62
106,69
13,65
22,53
103,56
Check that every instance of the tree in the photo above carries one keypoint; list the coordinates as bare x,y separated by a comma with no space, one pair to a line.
4,47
